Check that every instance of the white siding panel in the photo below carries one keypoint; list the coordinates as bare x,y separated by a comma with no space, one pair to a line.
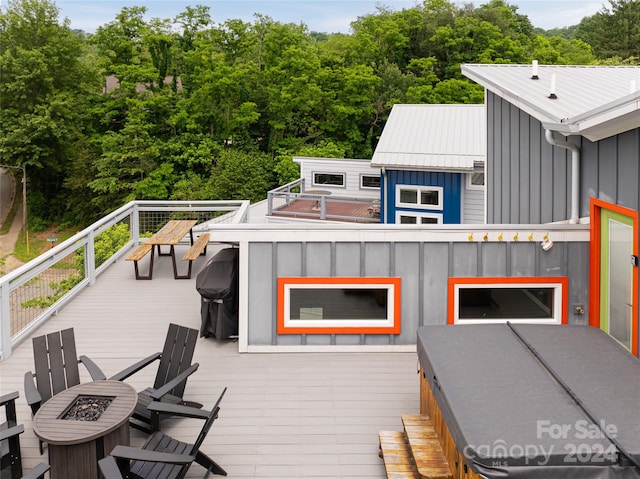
473,206
353,169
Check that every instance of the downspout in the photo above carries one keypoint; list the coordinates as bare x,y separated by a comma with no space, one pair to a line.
575,173
384,194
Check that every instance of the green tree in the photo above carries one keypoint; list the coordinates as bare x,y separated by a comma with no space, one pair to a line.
242,175
506,18
120,42
559,51
159,41
614,30
127,157
44,93
471,40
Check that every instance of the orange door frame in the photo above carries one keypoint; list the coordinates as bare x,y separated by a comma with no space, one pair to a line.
596,206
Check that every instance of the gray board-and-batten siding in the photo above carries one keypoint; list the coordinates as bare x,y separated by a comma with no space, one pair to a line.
424,269
529,180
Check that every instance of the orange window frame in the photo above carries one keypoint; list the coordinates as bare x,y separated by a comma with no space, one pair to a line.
328,283
563,281
596,206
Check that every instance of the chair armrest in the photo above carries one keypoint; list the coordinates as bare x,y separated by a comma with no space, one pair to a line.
134,368
157,394
95,372
7,398
137,454
109,468
37,472
10,432
177,410
31,393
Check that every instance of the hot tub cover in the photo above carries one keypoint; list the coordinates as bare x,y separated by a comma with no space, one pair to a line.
510,417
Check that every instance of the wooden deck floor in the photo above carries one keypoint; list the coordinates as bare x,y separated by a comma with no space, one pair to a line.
350,212
308,415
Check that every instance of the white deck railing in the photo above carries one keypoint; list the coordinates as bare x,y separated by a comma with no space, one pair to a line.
35,291
283,196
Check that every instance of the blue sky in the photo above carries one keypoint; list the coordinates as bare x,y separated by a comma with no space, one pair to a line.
318,15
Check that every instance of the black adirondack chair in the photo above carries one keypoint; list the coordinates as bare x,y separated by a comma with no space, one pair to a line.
37,472
10,431
10,455
173,370
56,365
163,457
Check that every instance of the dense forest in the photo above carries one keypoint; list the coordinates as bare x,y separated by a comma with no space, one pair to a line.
187,108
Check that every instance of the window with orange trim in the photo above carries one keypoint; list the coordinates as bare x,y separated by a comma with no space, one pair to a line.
516,299
338,305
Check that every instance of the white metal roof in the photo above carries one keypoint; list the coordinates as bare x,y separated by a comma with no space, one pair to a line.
314,159
433,137
593,101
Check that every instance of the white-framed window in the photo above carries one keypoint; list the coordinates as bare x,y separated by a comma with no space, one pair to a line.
426,197
329,179
338,305
370,182
516,299
475,180
413,218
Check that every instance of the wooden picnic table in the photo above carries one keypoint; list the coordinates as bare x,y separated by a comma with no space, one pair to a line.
171,234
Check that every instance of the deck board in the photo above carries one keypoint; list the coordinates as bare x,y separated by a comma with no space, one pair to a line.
310,415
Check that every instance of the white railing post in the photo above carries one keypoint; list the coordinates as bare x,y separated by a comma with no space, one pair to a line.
5,321
90,258
134,220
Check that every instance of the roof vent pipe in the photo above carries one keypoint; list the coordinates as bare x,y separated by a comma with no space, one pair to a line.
552,88
534,70
575,173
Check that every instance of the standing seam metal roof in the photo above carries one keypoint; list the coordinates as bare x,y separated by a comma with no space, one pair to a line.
595,101
433,137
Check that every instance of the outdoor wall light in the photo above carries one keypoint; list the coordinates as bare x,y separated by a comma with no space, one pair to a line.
546,244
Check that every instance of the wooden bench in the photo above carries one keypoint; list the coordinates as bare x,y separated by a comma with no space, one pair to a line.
397,456
414,453
139,253
198,248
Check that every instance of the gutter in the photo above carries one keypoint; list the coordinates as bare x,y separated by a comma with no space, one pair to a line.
384,196
575,173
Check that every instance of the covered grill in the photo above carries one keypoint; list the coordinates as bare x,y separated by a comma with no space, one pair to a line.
217,284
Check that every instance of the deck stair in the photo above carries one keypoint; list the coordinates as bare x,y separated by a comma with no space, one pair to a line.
414,453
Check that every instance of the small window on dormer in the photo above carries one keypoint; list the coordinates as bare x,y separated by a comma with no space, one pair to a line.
329,179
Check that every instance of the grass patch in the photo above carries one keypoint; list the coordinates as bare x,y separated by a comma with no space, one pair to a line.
38,243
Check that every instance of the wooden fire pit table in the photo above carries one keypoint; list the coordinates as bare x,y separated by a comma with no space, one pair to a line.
75,446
